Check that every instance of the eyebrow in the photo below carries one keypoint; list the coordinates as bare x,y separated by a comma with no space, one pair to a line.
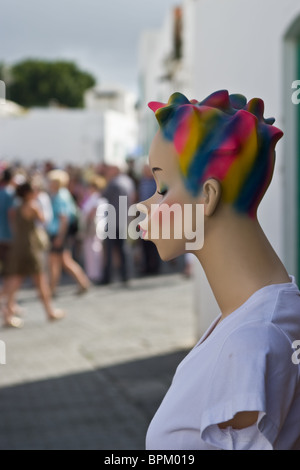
156,169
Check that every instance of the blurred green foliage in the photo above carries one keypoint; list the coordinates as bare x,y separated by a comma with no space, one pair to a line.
39,82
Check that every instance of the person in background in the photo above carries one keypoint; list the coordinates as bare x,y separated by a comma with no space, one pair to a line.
7,192
25,258
189,265
132,173
151,258
7,195
43,198
118,184
92,245
60,229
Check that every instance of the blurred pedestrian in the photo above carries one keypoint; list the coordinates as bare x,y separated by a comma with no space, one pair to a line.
25,259
189,265
151,259
7,195
61,229
132,173
43,198
6,203
119,184
92,245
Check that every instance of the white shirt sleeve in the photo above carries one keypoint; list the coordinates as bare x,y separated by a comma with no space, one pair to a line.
254,373
249,438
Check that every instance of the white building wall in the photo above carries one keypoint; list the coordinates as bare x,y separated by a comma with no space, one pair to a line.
190,66
120,138
64,136
147,58
110,98
155,50
68,137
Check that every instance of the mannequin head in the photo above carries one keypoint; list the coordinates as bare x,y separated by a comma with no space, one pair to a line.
219,153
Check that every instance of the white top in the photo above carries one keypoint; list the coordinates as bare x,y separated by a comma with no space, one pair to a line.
247,362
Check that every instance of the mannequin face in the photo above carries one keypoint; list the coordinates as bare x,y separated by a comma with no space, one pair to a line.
170,229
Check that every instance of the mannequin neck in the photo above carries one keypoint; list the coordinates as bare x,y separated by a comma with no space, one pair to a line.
237,258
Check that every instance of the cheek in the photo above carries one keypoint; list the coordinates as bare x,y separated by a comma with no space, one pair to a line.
166,220
167,232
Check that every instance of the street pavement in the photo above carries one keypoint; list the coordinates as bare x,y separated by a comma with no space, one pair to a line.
93,380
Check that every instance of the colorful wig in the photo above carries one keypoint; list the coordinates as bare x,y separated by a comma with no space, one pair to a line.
225,138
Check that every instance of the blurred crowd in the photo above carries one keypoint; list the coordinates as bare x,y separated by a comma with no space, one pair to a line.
48,226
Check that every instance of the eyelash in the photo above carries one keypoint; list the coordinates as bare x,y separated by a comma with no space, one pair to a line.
162,193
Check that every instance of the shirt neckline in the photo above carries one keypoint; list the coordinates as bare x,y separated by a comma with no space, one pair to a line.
214,325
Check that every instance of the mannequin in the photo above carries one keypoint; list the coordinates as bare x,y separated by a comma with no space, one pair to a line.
220,154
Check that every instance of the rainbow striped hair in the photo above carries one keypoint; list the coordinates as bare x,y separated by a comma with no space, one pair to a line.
225,138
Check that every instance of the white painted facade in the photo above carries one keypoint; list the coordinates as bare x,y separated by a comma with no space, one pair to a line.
110,97
159,75
101,132
247,47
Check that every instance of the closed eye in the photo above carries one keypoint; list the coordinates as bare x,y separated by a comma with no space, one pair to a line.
162,193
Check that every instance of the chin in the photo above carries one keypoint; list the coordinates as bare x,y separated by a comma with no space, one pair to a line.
165,257
167,254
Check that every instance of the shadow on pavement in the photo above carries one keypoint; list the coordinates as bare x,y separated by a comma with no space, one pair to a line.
104,409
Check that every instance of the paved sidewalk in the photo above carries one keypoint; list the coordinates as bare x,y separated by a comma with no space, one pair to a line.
95,379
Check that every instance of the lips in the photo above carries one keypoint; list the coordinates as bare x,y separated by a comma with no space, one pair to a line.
143,231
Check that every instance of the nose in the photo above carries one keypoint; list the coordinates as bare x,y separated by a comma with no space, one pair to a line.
142,208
